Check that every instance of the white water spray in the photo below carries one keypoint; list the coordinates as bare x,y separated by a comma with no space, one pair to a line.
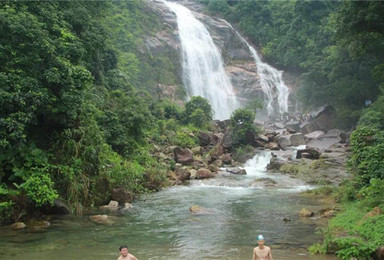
258,164
271,81
203,67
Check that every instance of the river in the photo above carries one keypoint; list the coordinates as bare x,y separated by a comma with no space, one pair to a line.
160,226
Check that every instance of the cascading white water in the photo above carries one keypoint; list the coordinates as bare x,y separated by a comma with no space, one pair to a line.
271,81
258,164
203,68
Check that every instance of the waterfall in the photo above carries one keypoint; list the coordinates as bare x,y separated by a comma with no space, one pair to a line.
258,164
271,81
203,68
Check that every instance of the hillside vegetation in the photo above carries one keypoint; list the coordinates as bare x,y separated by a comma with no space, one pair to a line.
76,117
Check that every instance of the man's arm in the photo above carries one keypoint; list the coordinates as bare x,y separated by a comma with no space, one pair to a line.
254,254
270,254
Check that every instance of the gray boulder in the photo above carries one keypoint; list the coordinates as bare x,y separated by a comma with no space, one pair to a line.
293,126
236,170
183,156
204,138
284,141
323,118
297,139
204,173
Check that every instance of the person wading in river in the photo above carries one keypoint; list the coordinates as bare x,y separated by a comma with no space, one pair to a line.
125,255
262,252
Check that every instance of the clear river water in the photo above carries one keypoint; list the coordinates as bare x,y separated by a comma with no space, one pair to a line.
160,226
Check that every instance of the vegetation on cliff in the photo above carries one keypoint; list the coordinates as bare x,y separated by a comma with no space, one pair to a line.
337,47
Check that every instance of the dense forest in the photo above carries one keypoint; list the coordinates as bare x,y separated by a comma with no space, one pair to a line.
76,117
79,115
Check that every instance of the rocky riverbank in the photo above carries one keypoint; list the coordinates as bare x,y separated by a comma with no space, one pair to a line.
313,158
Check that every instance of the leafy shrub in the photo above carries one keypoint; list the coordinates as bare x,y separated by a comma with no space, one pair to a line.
39,188
184,139
197,106
241,123
351,234
374,193
368,150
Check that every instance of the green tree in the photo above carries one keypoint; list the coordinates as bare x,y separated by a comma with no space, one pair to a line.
242,124
198,111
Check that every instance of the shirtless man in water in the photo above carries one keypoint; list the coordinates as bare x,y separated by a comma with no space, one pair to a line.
262,252
125,255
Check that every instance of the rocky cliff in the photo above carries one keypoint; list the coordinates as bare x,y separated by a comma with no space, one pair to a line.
240,65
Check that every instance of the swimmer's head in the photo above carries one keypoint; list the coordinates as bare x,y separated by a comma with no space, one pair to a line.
260,237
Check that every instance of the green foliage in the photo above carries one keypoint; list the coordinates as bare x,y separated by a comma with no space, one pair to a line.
57,67
218,6
6,210
351,234
124,121
374,193
39,188
241,123
184,139
242,117
368,150
337,46
198,111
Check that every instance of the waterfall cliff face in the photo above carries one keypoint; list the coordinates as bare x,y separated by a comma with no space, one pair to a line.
202,43
203,67
271,81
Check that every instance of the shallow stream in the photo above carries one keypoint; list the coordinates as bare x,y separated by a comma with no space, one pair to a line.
160,226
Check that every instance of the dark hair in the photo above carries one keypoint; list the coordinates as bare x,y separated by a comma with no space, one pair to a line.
122,247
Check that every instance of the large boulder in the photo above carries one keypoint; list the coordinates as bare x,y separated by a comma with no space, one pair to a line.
226,158
236,170
306,213
293,126
204,173
284,141
228,140
113,206
323,118
273,146
182,173
297,139
328,139
183,156
314,135
275,163
309,153
216,138
204,138
17,225
101,219
121,195
39,225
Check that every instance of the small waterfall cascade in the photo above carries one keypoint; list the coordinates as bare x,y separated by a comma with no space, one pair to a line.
203,66
258,164
271,81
